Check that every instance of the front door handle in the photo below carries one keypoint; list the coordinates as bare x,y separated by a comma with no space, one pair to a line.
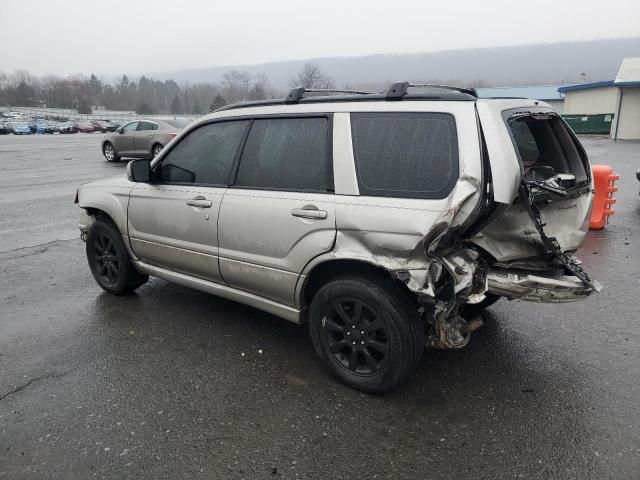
199,202
309,212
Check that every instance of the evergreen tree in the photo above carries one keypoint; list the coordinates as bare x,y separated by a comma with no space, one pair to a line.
176,105
218,102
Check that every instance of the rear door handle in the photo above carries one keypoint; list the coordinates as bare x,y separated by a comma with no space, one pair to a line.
199,202
309,212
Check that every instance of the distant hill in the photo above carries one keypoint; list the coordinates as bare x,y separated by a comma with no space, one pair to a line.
518,65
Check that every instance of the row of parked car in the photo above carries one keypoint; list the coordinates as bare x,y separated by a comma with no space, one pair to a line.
23,125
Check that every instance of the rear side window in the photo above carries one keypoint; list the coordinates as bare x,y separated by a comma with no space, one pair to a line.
144,126
204,156
411,155
287,154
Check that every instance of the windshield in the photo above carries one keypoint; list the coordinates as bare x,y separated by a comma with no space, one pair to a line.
178,122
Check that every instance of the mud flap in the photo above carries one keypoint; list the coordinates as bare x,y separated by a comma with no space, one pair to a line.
569,261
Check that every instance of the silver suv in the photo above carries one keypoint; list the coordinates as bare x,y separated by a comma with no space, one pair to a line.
384,222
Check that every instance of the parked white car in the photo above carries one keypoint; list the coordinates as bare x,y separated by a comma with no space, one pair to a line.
385,222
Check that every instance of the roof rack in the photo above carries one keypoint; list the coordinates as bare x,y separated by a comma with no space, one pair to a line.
295,94
399,89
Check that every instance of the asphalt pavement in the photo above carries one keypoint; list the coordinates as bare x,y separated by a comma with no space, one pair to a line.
174,383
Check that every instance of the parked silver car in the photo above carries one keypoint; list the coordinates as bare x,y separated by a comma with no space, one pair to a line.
385,222
140,138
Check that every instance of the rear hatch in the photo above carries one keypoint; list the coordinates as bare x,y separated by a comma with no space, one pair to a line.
540,218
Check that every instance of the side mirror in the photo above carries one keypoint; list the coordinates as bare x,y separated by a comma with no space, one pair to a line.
139,171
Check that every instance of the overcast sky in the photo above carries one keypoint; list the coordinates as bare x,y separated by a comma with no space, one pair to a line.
140,36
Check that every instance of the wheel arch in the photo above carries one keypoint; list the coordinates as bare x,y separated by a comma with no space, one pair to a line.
329,269
106,214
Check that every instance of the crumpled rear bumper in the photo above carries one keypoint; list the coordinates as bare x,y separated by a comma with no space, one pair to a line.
536,288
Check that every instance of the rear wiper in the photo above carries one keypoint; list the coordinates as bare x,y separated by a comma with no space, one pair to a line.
545,186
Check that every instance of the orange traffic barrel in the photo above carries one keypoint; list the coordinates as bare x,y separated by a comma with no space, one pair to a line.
604,179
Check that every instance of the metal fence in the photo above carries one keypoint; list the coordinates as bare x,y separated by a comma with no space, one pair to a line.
66,114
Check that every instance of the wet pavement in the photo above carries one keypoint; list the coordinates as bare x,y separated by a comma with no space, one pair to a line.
174,383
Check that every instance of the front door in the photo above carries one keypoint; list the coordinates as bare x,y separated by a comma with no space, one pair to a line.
173,220
124,142
280,213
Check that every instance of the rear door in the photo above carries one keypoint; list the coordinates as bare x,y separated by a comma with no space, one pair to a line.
173,222
280,212
144,137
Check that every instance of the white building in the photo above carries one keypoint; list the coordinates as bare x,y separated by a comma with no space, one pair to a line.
619,98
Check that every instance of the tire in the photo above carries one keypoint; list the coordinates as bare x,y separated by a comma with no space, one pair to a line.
471,310
155,150
109,152
109,260
376,320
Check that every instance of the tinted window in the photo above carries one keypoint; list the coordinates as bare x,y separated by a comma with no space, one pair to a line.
405,154
287,153
130,127
204,156
142,126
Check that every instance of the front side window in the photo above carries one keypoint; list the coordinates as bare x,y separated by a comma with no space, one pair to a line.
204,156
287,154
130,127
407,155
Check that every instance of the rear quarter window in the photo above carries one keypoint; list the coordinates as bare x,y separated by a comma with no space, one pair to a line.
410,155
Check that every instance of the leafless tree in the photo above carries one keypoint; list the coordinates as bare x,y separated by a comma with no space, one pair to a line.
312,77
235,85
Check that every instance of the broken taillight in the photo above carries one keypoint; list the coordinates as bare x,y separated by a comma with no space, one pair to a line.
173,135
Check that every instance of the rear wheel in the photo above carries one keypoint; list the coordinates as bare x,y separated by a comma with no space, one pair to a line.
110,152
367,332
155,151
109,260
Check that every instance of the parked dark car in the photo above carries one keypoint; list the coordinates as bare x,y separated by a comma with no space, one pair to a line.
5,129
67,127
85,127
103,126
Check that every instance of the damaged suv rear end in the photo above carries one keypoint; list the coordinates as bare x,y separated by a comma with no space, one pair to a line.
465,203
534,214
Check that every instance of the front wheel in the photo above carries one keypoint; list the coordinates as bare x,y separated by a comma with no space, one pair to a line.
367,332
110,152
109,260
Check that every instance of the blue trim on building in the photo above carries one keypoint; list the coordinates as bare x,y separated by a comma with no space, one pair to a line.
626,84
585,86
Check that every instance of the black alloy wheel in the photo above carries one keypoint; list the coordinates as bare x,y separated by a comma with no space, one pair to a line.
367,331
356,337
106,259
109,260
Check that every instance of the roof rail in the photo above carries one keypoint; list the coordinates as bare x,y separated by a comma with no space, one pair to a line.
400,89
295,94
